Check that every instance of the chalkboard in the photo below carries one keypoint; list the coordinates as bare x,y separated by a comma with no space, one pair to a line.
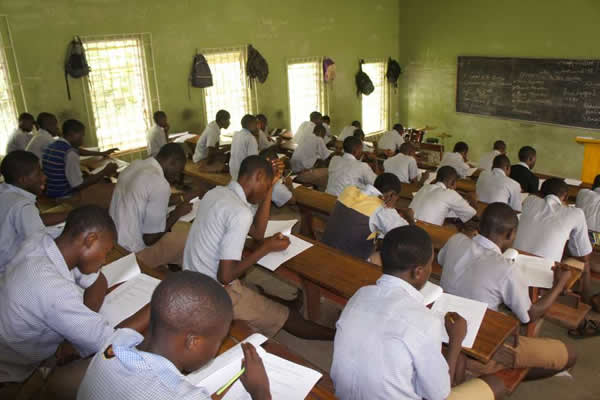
555,91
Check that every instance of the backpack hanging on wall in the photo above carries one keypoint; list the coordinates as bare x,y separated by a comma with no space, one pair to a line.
256,65
76,64
329,69
393,72
200,76
364,85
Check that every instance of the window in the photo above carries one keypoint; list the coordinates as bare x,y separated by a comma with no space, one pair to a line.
118,90
230,90
375,106
306,90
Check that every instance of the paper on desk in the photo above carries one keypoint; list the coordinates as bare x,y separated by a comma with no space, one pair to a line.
471,171
273,260
177,134
431,292
536,270
220,370
541,182
183,138
287,380
421,171
472,311
295,185
121,270
284,227
121,165
572,182
431,178
128,298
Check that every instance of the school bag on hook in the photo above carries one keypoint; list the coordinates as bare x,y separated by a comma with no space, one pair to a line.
364,85
76,64
393,72
256,66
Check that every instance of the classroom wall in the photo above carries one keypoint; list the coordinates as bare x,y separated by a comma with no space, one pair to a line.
434,33
344,30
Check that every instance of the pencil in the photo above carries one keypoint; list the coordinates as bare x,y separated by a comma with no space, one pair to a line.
231,382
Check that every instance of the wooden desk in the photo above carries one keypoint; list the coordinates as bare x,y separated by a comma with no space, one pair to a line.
210,178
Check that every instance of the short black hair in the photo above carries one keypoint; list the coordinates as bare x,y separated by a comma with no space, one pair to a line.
461,147
18,164
356,124
501,161
251,164
499,145
358,133
555,186
262,118
26,117
446,174
596,182
72,126
387,182
189,301
89,218
405,248
270,153
158,114
172,151
315,115
247,119
222,115
326,118
351,143
44,118
526,152
319,129
498,218
406,147
399,128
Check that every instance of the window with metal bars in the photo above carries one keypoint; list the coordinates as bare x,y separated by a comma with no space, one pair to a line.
306,89
118,90
375,107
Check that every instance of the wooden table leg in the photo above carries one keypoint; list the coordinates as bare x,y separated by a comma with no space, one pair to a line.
312,300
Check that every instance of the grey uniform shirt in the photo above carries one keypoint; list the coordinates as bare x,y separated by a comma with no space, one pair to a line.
434,203
209,138
244,144
346,170
156,139
403,166
494,186
456,161
39,142
306,128
307,153
18,140
487,160
391,140
589,201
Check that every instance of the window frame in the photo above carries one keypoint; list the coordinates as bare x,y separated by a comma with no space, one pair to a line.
386,98
322,89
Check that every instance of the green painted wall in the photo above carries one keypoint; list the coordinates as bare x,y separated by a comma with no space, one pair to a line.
344,30
435,32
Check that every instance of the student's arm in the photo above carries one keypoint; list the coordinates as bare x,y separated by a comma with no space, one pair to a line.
90,180
254,379
93,296
179,211
261,218
539,308
106,153
463,209
138,321
456,327
211,145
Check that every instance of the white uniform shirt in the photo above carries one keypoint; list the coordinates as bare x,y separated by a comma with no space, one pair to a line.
156,139
475,269
487,160
263,141
133,374
347,132
391,140
403,166
39,142
456,161
328,135
244,144
19,220
494,186
388,346
306,128
546,225
384,219
18,140
209,138
41,305
346,170
311,149
434,203
140,203
589,201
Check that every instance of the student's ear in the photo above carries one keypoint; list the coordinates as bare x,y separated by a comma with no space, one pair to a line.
90,239
192,342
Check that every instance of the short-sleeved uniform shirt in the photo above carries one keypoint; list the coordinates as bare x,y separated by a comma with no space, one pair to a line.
306,128
18,140
244,144
487,160
209,138
347,132
456,161
494,186
434,203
156,139
589,201
140,202
346,171
307,153
263,141
403,166
39,142
391,140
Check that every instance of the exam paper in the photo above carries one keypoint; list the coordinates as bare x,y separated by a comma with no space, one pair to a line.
471,171
189,217
284,227
472,311
128,298
121,270
121,165
182,138
536,270
272,261
431,292
572,182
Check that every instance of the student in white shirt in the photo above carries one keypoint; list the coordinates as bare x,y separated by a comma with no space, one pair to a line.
547,225
190,317
347,170
497,186
439,200
307,127
589,201
327,124
368,148
486,160
283,190
310,158
21,136
388,343
47,130
349,130
404,165
139,207
458,159
158,135
50,293
226,216
264,140
476,269
207,154
391,141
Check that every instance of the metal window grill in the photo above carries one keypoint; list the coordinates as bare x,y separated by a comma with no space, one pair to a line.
306,89
375,107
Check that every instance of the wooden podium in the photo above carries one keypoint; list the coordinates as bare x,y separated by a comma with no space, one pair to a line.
591,158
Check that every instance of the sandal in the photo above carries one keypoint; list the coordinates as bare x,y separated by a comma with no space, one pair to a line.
587,330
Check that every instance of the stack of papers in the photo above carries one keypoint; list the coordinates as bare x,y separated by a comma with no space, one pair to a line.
124,269
431,292
472,311
128,298
189,217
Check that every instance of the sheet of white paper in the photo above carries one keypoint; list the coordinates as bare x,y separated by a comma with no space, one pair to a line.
55,230
121,270
422,171
537,271
572,182
121,165
183,138
128,298
177,134
541,182
295,185
431,292
189,217
284,227
273,260
471,310
288,380
471,171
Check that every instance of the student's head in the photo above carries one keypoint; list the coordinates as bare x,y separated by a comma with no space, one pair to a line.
171,158
500,146
48,122
160,117
390,187
326,119
527,155
461,148
555,186
90,234
256,178
408,149
190,314
353,145
73,131
399,128
356,124
358,133
22,168
250,123
502,162
261,120
448,176
269,154
316,118
407,253
26,122
499,223
223,119
319,130
596,183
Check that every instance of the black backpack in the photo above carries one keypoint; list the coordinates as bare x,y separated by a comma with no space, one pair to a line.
393,72
75,63
364,85
200,77
256,66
